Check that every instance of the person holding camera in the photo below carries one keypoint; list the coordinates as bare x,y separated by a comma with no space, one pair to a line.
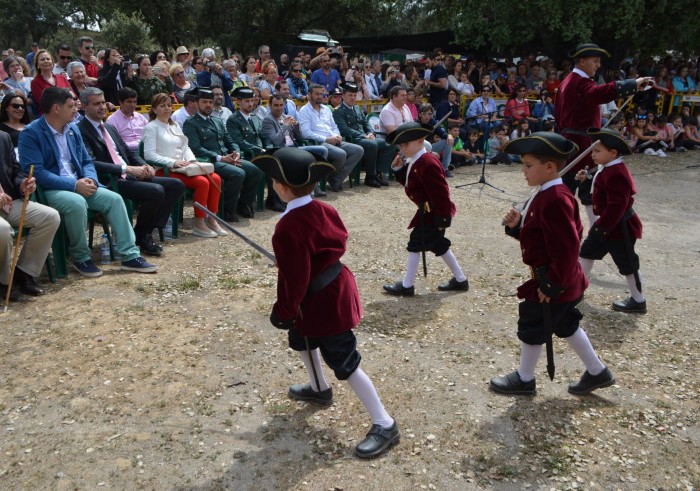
147,84
326,76
113,75
211,73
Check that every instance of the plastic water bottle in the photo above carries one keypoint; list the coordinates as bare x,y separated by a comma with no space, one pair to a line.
168,232
115,252
104,250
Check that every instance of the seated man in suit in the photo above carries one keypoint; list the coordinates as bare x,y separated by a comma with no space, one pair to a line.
208,138
245,129
40,220
353,126
282,130
317,125
136,179
65,170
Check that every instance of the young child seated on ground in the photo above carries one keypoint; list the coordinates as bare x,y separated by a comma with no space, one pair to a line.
498,139
475,155
691,137
459,154
522,128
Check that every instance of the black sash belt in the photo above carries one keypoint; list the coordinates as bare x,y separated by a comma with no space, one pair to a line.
324,279
628,214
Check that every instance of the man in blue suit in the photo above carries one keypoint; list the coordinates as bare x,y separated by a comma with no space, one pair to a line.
63,167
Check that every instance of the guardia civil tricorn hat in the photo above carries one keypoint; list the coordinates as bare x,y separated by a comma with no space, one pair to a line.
543,143
293,166
588,49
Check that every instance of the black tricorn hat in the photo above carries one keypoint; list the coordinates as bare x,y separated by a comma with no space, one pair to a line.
408,132
611,139
293,166
202,93
243,92
350,87
543,143
588,49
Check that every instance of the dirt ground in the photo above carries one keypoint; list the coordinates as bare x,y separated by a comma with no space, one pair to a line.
177,380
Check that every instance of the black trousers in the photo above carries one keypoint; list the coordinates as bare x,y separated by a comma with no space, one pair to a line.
156,200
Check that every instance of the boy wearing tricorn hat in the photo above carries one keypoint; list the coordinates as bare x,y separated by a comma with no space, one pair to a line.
617,227
549,230
424,181
317,298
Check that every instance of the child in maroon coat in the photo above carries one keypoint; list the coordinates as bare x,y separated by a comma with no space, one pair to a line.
317,297
617,227
423,178
549,230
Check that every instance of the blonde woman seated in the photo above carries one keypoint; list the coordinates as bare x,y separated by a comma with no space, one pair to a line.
164,143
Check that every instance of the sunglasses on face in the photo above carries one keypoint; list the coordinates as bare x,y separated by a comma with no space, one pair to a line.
296,71
65,57
178,74
17,106
88,47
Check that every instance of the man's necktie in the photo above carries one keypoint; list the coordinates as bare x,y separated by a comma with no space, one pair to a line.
110,147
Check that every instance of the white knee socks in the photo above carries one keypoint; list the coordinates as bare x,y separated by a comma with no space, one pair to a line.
319,369
365,391
582,347
411,269
634,292
591,216
586,265
529,354
451,262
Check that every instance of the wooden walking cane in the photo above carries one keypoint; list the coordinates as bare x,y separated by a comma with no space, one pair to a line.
15,254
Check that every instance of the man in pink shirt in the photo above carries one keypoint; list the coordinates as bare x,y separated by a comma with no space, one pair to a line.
395,113
126,120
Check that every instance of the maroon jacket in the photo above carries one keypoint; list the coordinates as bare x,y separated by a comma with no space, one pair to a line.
613,189
307,240
550,238
427,183
577,107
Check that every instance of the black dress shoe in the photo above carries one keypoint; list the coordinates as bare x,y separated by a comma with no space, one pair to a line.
512,384
230,217
149,247
589,383
372,182
399,290
26,284
336,187
304,392
378,441
382,180
454,285
15,294
630,305
275,204
245,211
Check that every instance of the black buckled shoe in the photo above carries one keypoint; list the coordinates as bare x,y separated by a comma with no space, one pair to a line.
454,286
26,283
149,247
399,290
15,294
382,180
630,305
589,383
378,441
304,392
512,384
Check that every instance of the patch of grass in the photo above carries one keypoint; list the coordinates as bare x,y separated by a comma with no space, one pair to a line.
188,284
228,283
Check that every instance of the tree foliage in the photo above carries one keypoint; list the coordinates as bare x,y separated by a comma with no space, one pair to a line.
128,33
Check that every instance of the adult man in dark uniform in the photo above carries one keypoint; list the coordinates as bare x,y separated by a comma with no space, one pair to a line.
577,107
246,131
208,138
354,127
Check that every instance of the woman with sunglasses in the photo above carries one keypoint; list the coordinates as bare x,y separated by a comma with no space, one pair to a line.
517,106
180,82
298,88
45,78
113,75
14,116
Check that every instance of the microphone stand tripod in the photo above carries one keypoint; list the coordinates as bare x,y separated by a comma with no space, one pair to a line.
485,128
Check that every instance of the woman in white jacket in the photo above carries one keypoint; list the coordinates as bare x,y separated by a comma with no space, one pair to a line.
165,144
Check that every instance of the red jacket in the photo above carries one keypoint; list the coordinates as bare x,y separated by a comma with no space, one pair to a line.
307,240
577,107
550,238
613,189
427,183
